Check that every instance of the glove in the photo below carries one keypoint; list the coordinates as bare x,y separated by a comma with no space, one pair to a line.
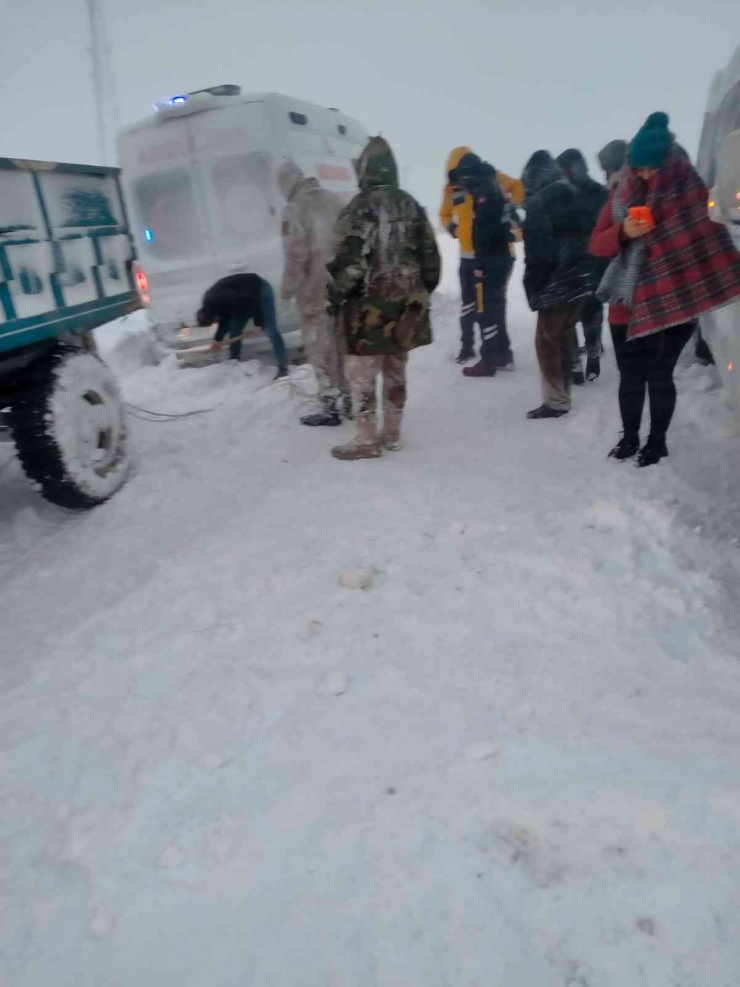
452,230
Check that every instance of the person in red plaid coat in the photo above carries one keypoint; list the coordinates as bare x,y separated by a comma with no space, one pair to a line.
664,273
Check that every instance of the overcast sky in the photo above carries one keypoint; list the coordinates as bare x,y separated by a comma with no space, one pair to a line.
505,77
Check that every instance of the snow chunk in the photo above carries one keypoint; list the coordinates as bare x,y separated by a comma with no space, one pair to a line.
100,925
646,925
171,857
357,579
481,751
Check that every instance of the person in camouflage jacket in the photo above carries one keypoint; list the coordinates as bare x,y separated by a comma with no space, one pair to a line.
384,270
309,220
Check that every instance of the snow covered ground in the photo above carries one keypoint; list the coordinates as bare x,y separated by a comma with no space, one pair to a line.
511,759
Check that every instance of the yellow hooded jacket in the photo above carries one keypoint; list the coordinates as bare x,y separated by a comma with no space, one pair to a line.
457,205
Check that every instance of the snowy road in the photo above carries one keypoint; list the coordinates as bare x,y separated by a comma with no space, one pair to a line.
512,761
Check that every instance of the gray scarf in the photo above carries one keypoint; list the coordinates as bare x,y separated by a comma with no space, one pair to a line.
623,273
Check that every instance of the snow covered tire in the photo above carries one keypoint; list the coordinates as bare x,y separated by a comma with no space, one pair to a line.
69,428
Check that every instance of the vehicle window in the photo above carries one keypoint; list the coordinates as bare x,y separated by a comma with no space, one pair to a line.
728,119
243,192
169,212
705,160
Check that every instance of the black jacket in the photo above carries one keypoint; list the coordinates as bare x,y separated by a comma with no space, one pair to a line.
558,267
491,228
591,195
491,216
236,295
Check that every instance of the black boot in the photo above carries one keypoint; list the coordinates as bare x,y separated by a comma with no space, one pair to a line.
652,452
626,448
465,354
593,368
578,377
545,411
329,415
479,370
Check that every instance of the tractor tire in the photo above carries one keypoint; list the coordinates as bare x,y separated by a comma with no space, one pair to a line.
69,428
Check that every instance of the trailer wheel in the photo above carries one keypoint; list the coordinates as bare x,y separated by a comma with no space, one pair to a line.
69,428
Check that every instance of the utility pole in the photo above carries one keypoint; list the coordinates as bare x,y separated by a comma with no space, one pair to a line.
103,90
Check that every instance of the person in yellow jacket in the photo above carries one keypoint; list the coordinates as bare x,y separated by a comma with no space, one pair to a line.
456,215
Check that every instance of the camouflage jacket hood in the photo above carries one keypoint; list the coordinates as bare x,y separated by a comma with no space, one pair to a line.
376,166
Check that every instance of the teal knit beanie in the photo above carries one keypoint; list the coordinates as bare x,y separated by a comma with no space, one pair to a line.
651,143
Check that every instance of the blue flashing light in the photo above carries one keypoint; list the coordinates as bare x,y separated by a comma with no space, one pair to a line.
148,235
177,100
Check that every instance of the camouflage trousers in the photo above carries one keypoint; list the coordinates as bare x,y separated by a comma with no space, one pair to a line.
324,353
362,376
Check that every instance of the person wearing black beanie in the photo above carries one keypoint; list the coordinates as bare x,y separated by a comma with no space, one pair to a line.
558,276
492,237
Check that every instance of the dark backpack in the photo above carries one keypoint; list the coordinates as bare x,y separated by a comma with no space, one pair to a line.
492,221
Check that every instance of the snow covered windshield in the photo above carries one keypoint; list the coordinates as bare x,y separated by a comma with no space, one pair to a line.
169,212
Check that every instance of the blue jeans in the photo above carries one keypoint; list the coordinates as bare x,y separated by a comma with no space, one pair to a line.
270,326
236,324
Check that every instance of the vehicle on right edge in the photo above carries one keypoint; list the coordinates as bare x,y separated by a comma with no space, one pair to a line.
719,166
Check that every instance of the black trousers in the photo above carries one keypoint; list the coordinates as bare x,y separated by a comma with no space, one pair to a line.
648,363
592,318
490,289
468,314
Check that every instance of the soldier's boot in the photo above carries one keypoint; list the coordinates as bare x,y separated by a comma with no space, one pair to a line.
365,445
391,437
393,443
329,414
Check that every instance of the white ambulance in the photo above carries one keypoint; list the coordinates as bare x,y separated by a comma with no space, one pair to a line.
201,190
719,166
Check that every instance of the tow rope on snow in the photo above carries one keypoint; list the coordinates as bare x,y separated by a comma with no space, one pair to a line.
146,415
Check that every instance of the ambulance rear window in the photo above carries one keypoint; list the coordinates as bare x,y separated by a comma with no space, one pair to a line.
727,120
169,214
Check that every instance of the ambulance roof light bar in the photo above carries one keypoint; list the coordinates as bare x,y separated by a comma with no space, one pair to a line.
182,99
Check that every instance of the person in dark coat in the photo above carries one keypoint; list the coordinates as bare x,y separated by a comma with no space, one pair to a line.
558,275
492,238
232,302
592,197
612,158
